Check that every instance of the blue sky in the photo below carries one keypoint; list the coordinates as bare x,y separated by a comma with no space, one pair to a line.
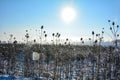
18,15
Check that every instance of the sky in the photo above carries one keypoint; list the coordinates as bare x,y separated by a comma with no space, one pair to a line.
16,16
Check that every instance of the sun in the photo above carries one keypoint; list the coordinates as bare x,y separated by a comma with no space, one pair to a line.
68,14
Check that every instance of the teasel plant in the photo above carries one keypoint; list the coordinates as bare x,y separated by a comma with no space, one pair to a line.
114,30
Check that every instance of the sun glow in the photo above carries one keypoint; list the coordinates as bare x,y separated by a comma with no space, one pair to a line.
68,14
